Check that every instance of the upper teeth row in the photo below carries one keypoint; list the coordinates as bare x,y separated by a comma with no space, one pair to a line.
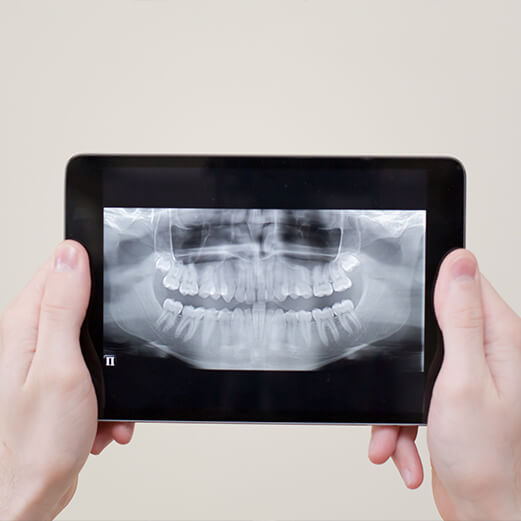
269,280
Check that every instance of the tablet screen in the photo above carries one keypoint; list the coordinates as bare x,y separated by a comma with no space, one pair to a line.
269,289
264,289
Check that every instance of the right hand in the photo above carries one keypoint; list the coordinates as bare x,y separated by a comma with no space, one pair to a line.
48,408
474,424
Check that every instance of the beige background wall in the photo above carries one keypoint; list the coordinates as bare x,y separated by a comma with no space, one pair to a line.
280,77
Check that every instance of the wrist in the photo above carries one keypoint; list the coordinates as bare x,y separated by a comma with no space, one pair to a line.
24,495
490,509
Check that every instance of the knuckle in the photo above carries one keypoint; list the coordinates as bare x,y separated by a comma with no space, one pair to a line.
470,317
9,316
54,309
68,380
461,391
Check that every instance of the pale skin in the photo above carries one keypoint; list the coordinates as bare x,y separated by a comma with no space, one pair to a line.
474,423
48,406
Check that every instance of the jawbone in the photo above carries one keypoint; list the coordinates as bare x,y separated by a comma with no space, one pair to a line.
269,315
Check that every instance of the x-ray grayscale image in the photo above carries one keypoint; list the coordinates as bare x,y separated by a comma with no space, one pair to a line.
273,290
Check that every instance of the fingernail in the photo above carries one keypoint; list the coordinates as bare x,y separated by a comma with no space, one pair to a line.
66,259
464,268
406,475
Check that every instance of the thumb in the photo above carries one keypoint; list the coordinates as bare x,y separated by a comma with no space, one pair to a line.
459,310
64,302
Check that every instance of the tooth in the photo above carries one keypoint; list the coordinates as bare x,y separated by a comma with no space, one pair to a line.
250,286
187,323
319,322
260,286
163,263
291,329
280,286
292,281
247,328
237,319
207,286
348,262
189,284
228,277
329,323
223,319
268,279
221,286
184,325
321,286
303,282
240,290
173,278
167,319
304,318
324,321
208,323
194,315
344,311
258,316
276,329
339,279
173,306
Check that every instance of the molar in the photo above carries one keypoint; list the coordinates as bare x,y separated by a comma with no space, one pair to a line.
339,279
208,324
324,321
321,286
305,318
189,284
207,282
303,282
163,263
173,278
193,316
349,262
167,319
345,312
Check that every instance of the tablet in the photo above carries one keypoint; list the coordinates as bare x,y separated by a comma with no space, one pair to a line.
264,289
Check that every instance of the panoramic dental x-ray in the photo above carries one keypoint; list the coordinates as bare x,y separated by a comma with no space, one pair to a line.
263,289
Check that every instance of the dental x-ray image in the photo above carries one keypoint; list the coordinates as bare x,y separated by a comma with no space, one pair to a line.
264,289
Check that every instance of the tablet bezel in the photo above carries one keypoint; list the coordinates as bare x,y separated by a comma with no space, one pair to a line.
386,183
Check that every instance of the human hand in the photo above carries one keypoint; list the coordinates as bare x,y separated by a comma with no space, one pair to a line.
474,423
48,409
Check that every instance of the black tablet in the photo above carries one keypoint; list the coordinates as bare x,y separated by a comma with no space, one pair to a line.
264,289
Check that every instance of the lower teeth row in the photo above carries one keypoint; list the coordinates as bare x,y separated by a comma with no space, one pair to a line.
258,325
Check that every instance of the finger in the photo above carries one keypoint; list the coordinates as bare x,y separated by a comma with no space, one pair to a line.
407,459
63,306
459,310
501,322
383,443
19,328
122,432
103,438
